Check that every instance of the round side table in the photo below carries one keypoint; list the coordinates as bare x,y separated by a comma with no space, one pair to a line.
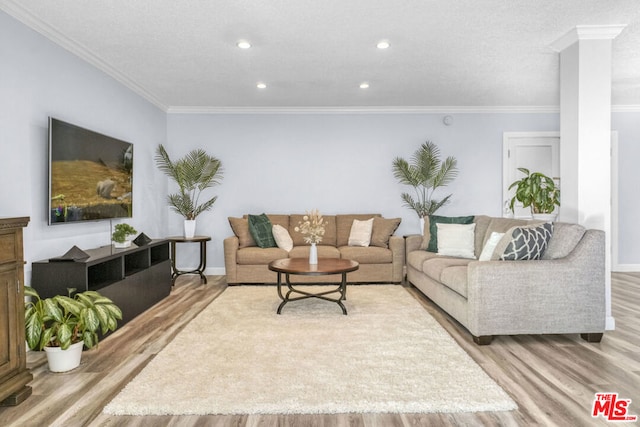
202,240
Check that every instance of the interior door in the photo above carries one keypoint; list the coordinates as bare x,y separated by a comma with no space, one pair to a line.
536,151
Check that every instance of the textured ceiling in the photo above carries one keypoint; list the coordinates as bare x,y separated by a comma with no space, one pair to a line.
474,54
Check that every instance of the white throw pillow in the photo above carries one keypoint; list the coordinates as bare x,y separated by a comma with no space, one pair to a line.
360,234
456,240
282,237
490,246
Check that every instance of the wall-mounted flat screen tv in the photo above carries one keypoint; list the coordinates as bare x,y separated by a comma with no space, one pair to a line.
90,175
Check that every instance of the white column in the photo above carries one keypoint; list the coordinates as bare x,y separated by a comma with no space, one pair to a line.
585,132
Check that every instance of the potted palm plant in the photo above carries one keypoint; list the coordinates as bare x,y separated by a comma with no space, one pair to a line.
426,173
120,234
193,173
537,192
62,325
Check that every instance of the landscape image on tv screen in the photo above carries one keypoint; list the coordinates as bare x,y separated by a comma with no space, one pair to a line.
90,175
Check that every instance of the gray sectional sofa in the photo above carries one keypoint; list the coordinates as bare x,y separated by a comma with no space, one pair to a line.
381,261
562,292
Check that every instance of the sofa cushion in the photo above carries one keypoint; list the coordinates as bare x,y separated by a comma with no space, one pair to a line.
279,219
360,234
416,259
456,240
383,229
482,225
329,237
324,251
240,227
282,237
260,228
367,255
455,278
434,267
256,255
502,225
343,226
565,238
433,220
524,243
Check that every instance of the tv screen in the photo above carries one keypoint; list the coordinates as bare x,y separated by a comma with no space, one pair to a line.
90,175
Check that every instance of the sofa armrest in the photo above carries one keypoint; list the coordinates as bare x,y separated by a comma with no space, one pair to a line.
412,242
564,295
231,246
396,244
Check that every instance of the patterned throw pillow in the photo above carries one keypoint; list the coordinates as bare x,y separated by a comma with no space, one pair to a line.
524,243
260,229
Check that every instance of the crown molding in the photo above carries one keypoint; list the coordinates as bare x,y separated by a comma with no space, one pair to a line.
625,108
365,110
18,12
502,109
587,32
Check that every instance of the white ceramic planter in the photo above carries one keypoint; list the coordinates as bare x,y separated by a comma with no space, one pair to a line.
189,228
545,217
125,244
64,360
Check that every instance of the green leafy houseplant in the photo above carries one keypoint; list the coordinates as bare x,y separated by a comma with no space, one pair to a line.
535,191
193,173
121,232
426,173
64,320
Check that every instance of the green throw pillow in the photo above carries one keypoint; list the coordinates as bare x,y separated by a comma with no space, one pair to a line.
433,228
261,231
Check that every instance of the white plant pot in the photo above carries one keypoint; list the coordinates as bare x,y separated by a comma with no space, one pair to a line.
545,217
64,360
119,245
189,228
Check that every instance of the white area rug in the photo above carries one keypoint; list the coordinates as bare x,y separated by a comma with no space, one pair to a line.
239,357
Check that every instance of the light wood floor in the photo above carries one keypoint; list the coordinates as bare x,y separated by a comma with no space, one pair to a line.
553,378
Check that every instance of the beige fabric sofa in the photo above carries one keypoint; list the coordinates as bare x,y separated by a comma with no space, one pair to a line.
381,261
561,293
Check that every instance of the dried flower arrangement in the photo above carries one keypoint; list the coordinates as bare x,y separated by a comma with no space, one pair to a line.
312,226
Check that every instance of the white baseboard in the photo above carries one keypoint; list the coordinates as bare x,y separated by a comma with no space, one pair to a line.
610,324
215,271
626,268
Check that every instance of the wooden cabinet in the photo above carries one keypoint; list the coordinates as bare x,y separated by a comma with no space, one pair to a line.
14,375
134,278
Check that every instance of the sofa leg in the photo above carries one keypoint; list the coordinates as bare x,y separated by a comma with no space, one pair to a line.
592,337
483,339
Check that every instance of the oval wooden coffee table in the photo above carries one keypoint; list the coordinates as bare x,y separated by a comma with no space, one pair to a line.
301,266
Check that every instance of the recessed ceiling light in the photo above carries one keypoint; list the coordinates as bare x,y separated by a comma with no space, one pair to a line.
364,85
261,85
383,44
243,44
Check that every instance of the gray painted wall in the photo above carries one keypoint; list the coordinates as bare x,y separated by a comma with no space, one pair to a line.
338,163
628,175
39,79
341,163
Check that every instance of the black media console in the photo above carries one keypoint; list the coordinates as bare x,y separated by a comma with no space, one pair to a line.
134,278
